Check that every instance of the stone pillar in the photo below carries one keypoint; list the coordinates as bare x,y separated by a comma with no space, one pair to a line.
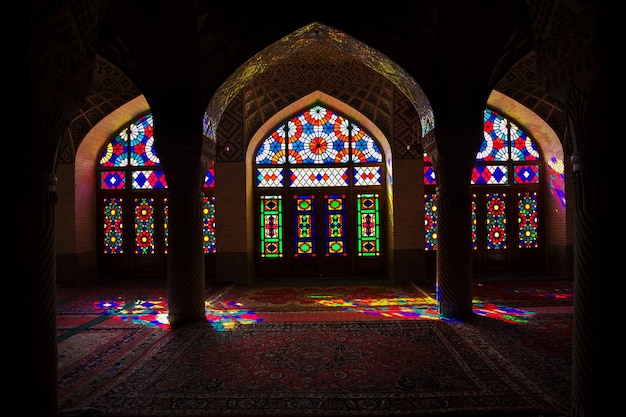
37,272
185,168
453,161
34,202
60,73
579,67
597,258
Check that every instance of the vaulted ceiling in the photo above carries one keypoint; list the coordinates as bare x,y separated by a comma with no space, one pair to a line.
451,50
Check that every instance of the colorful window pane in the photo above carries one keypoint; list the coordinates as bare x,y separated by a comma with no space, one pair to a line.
526,174
335,210
429,174
430,222
271,226
304,225
368,227
209,178
522,148
113,225
208,224
133,149
115,153
166,230
317,142
501,163
318,136
495,145
364,148
495,220
320,148
474,223
141,141
527,220
131,158
148,180
273,150
269,177
319,177
144,226
490,174
113,180
367,176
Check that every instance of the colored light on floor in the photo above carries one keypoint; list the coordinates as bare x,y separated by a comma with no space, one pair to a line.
229,314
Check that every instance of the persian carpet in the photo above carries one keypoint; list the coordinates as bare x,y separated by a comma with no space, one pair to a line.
388,357
526,293
277,298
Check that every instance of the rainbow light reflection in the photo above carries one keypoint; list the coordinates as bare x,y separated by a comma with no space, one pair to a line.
423,308
401,306
222,316
227,315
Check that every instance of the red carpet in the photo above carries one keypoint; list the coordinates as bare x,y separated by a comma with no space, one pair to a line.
315,351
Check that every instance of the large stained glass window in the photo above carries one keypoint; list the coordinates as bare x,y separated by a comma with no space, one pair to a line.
506,187
315,163
132,195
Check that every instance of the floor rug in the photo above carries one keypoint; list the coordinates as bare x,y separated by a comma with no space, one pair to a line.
336,350
525,293
418,368
306,298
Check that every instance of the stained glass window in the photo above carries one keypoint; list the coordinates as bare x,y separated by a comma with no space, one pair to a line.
429,171
527,219
504,145
335,219
144,225
474,223
319,149
129,167
368,235
495,220
304,220
166,233
507,158
208,224
318,137
113,225
430,222
271,214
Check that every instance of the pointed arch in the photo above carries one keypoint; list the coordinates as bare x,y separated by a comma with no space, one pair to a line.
313,100
554,180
